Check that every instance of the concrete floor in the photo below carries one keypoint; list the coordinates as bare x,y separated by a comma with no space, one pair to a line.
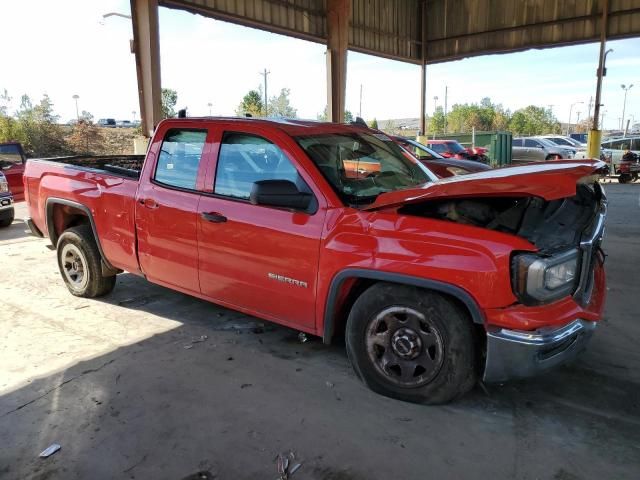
128,391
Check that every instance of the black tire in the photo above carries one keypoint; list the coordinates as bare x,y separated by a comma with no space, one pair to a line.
7,221
445,342
554,156
79,262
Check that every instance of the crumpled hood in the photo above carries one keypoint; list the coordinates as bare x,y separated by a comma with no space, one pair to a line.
548,180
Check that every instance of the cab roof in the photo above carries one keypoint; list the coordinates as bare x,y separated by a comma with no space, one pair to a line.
291,126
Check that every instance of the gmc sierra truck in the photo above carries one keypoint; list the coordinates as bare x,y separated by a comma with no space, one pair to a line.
334,229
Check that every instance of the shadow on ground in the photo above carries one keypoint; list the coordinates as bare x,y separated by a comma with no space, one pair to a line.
225,393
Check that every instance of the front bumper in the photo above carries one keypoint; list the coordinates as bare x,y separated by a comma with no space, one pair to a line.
513,354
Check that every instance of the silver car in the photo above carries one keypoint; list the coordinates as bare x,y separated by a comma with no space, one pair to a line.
580,148
536,149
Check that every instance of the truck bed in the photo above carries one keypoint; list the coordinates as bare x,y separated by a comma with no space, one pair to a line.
121,165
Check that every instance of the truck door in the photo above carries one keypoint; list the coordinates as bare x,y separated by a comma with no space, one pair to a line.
12,165
257,258
167,208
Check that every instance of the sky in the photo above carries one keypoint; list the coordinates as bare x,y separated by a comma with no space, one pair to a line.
65,48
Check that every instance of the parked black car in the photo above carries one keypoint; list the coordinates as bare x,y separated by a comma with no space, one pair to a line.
107,122
7,212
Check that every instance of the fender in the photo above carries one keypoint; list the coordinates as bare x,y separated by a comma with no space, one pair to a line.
107,268
456,292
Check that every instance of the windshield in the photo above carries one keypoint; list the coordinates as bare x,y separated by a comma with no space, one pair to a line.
559,141
455,147
9,155
418,150
361,166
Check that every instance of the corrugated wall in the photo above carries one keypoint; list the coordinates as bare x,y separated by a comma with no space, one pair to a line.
454,29
462,28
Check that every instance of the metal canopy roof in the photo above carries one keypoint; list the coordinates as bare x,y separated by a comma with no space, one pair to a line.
454,28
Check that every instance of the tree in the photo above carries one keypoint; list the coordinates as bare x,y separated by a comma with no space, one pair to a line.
252,104
169,101
348,116
42,136
279,105
533,120
86,116
436,125
374,124
85,138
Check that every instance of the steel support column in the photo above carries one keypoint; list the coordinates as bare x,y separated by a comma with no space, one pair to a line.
146,47
423,70
338,12
595,134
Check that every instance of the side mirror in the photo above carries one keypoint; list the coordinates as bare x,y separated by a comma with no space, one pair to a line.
279,193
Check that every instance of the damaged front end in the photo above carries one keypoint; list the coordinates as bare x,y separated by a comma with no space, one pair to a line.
566,233
557,281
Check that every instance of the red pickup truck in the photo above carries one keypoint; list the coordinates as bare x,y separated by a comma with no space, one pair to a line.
333,229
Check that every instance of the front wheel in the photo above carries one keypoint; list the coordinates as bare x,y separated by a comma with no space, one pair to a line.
411,344
6,222
79,261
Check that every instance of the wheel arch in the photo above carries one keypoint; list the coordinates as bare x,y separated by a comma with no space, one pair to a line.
62,214
347,284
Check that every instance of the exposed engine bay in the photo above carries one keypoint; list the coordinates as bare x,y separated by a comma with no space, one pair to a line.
549,225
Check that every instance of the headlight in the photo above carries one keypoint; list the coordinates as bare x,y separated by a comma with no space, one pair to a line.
539,279
4,186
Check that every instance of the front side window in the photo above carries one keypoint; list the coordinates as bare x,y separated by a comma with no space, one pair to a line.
531,143
438,147
245,159
361,166
179,158
9,156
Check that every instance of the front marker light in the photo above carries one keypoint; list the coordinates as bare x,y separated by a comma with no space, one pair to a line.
538,279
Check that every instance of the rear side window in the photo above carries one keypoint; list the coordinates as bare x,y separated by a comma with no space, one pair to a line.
516,142
531,143
179,158
245,159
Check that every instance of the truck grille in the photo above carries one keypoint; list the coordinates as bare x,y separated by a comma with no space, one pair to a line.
589,248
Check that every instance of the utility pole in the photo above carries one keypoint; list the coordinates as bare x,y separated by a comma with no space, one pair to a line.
551,105
624,105
76,97
602,119
589,108
435,107
578,119
446,95
133,112
264,73
360,110
209,105
570,111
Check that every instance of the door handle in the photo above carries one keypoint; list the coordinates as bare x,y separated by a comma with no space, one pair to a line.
149,203
213,217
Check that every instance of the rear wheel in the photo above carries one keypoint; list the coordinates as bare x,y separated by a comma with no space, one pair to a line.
553,157
79,261
624,178
411,344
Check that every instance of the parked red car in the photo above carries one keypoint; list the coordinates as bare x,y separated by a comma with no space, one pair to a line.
442,167
12,161
453,149
432,282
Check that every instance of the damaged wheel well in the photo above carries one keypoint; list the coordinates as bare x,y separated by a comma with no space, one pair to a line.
348,284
